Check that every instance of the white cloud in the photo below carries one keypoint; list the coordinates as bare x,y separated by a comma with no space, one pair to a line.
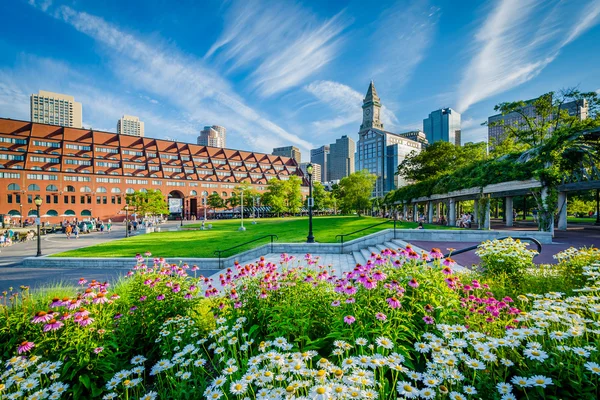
401,39
283,43
346,102
517,40
199,92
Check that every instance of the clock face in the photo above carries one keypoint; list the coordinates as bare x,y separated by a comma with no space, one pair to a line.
368,111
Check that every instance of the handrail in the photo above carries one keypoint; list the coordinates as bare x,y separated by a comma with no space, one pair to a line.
342,236
525,238
219,252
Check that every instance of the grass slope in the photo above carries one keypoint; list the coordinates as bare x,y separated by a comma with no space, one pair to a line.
224,234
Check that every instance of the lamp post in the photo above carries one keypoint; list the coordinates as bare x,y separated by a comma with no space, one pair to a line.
253,210
310,238
38,203
182,210
597,207
126,217
204,204
242,211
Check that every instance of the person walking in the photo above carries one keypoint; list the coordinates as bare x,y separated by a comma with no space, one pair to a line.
109,225
101,227
76,231
68,230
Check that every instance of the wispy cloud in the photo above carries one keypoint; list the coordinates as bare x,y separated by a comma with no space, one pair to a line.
346,103
401,39
281,43
517,40
183,81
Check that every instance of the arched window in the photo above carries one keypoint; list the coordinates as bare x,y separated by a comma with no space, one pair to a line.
52,213
224,194
33,188
115,190
69,213
100,189
205,193
143,190
215,193
129,191
14,186
85,189
70,188
32,213
86,213
51,188
193,193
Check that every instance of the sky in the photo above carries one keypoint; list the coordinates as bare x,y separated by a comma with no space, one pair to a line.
279,72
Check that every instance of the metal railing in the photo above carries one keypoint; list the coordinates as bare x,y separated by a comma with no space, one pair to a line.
523,238
342,236
220,252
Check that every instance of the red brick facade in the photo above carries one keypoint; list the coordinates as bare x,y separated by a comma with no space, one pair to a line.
82,173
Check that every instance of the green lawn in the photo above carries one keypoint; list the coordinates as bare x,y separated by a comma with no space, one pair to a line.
570,220
224,234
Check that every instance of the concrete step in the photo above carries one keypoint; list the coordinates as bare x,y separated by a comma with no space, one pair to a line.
390,245
366,254
381,247
358,258
374,249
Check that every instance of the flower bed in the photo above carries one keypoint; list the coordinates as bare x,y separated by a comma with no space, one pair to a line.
404,324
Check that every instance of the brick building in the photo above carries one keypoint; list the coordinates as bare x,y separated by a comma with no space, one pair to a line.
84,173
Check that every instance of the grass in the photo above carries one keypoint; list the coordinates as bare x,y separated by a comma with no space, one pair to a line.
570,220
224,234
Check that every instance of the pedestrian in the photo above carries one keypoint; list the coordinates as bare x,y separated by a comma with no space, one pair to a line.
109,225
76,231
101,227
68,230
129,227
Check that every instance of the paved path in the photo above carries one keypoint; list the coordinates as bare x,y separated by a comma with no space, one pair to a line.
13,275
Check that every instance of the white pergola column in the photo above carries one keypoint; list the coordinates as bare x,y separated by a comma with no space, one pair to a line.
475,211
451,212
486,215
508,210
430,212
405,212
562,211
416,212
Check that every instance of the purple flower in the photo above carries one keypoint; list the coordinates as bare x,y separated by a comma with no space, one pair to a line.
381,316
428,320
413,283
349,319
24,347
118,316
335,303
53,325
394,302
143,298
98,350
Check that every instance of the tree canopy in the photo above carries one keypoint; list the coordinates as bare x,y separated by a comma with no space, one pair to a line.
355,191
150,202
284,196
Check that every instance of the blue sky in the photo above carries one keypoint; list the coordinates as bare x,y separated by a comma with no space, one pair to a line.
281,72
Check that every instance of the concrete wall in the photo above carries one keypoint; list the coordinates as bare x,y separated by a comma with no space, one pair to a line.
408,235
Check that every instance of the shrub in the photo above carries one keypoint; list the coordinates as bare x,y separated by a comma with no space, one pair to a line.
507,256
571,262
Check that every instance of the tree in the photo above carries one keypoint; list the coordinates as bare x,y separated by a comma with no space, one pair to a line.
322,198
275,196
440,158
293,195
215,201
355,191
151,202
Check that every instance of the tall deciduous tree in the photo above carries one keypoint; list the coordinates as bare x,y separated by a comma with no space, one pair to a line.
151,202
322,198
293,195
439,159
355,191
215,201
274,197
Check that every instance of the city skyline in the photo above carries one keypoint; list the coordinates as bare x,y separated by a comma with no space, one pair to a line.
177,82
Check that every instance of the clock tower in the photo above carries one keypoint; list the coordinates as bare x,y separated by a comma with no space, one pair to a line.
371,110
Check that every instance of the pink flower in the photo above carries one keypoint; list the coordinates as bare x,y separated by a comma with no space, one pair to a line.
379,276
428,320
118,316
335,303
447,271
436,253
370,284
82,281
349,319
82,312
350,300
56,302
143,298
413,283
448,262
24,347
393,302
100,299
187,296
42,316
381,316
85,321
350,290
53,325
98,350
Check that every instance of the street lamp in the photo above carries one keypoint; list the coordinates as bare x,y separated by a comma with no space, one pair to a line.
597,207
38,203
310,238
204,204
126,217
242,213
182,210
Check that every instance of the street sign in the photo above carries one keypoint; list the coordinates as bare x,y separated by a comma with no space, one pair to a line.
37,221
311,202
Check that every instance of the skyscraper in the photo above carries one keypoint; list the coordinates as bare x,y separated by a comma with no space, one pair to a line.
55,109
130,125
288,151
381,152
316,173
442,124
213,136
321,156
341,158
497,123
